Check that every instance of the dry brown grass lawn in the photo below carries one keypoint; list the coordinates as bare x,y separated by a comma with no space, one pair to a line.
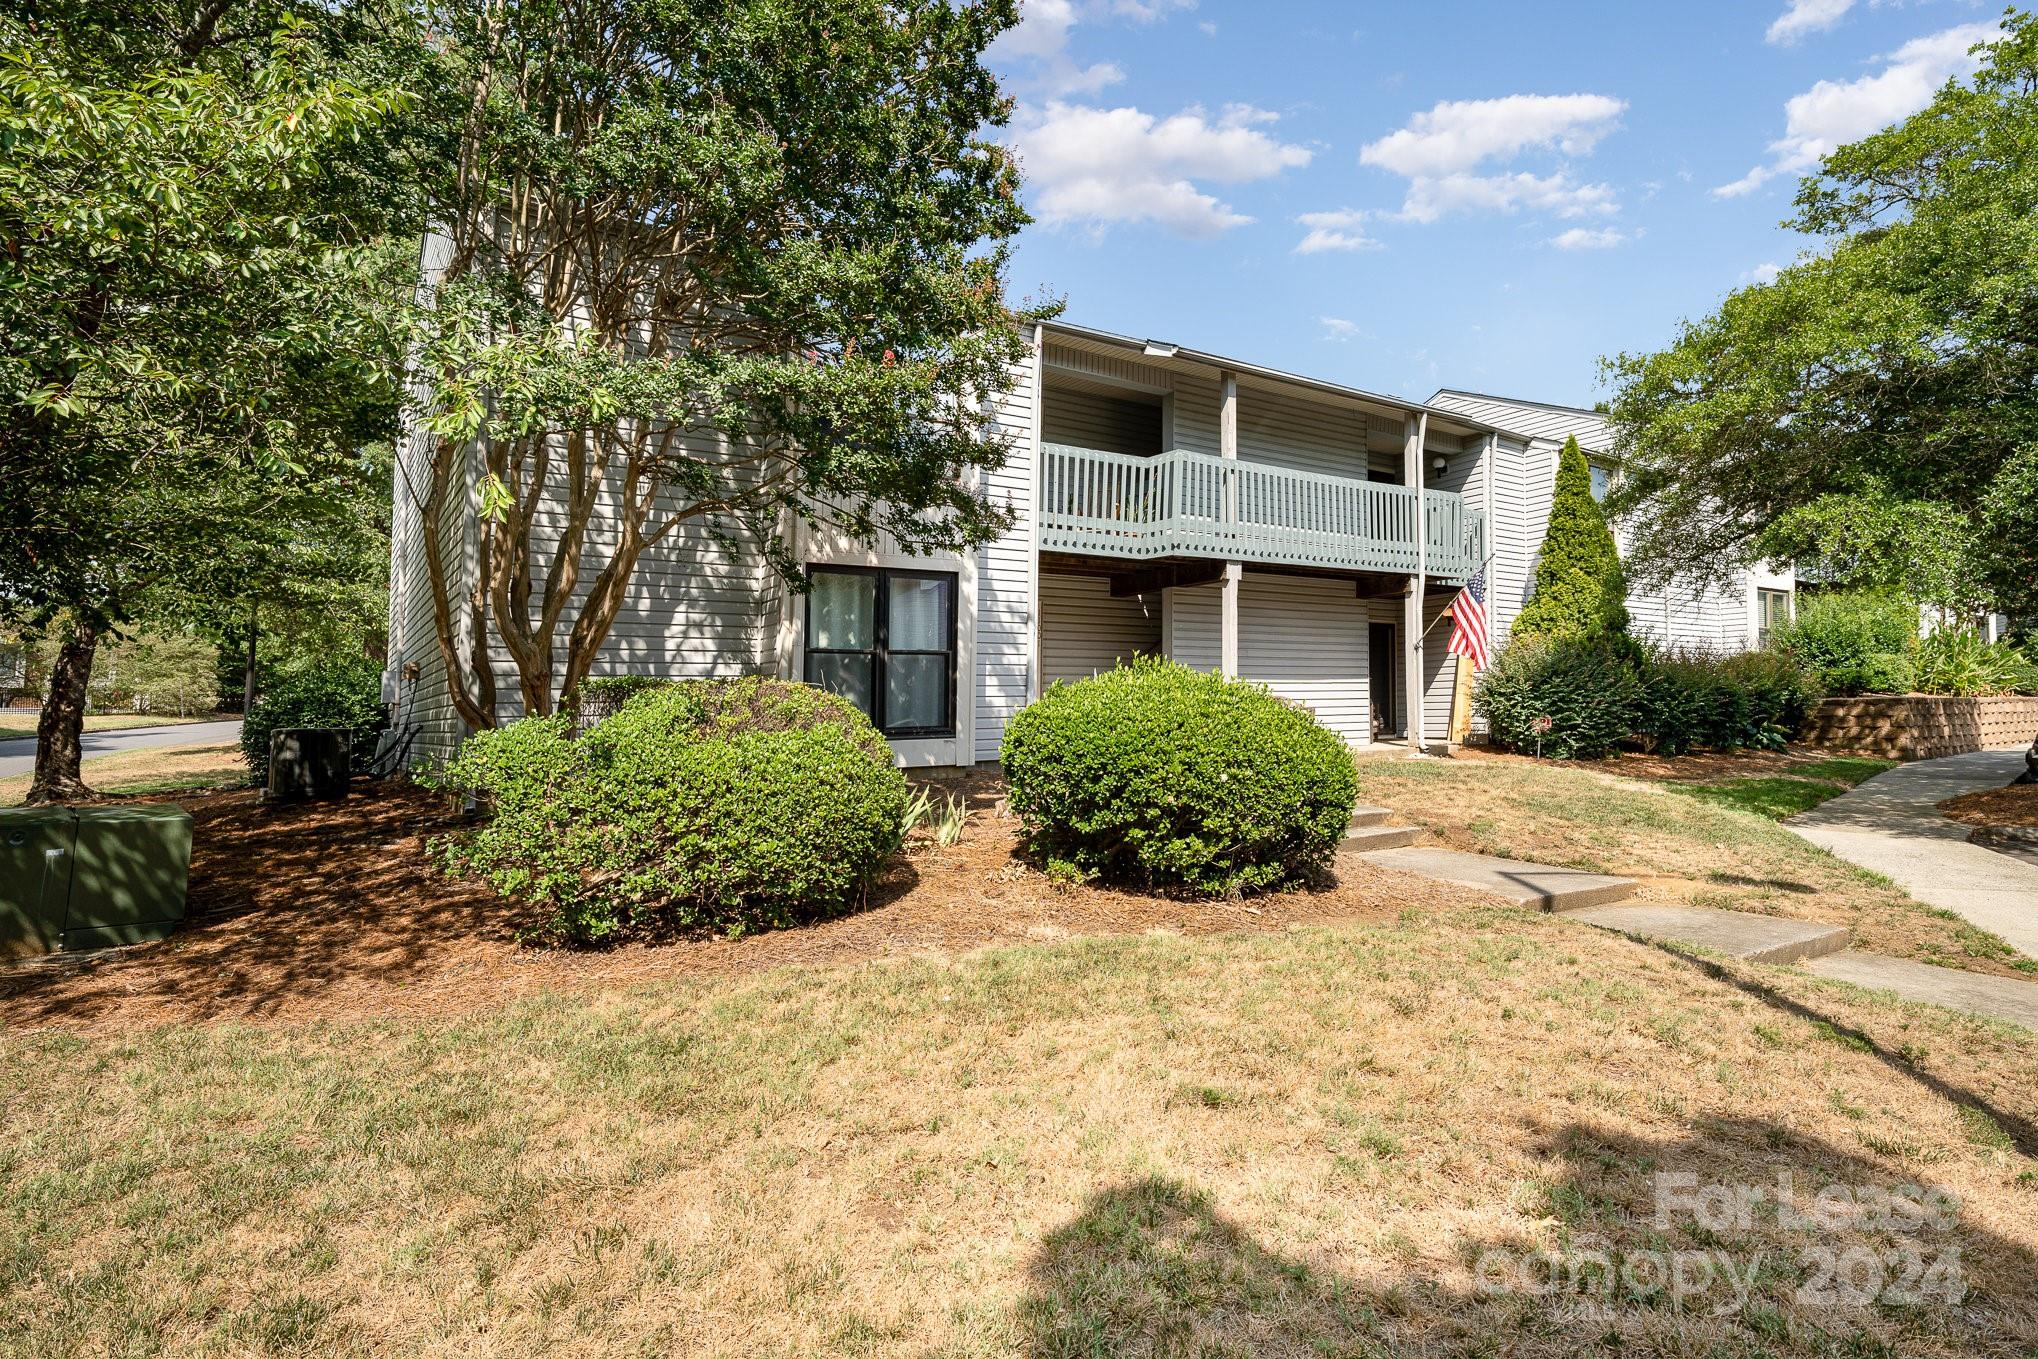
1330,1128
1299,1143
165,769
1682,849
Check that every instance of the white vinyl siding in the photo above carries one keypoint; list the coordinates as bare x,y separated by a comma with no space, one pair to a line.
1005,585
1305,639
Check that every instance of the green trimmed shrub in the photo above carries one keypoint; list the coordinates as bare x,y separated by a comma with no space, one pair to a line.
1853,641
1574,698
1961,661
1689,699
731,805
345,695
1579,588
1166,777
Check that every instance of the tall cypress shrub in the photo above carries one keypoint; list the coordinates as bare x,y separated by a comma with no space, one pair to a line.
1579,588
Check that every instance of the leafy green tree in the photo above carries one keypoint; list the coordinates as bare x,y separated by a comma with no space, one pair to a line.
182,326
1579,590
700,265
1873,412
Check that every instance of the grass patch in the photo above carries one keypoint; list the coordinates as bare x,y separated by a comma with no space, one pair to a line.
1848,769
1293,1143
150,773
1775,798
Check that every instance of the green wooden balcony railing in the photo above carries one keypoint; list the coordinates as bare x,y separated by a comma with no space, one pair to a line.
1182,504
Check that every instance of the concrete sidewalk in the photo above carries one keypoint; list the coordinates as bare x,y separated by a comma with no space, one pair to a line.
1891,825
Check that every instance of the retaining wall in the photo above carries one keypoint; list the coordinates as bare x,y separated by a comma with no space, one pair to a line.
1921,726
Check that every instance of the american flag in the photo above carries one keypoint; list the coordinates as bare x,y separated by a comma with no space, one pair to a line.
1468,622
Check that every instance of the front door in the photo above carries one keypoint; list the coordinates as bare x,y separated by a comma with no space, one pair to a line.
1380,653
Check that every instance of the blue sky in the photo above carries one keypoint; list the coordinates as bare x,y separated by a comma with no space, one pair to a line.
1487,194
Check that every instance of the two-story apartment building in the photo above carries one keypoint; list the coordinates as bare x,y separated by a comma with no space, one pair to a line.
1300,533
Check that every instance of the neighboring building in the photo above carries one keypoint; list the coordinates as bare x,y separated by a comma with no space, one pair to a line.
1735,617
1165,501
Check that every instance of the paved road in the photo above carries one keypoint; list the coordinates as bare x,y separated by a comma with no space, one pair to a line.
1891,824
18,757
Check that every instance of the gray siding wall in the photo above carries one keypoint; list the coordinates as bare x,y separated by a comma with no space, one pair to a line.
1305,639
1083,630
1716,618
1089,419
1273,426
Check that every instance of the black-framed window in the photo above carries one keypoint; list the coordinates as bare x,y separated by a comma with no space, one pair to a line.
885,640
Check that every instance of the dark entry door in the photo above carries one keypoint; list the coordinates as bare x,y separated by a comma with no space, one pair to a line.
1380,653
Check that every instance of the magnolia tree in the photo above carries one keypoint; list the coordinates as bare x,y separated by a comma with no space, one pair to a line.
699,267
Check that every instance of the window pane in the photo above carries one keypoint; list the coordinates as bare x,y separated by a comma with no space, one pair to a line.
1600,478
919,617
843,608
849,676
916,691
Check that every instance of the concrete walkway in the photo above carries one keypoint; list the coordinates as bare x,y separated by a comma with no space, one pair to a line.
18,757
1891,825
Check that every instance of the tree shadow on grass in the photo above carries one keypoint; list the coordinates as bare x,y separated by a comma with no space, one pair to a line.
1151,1268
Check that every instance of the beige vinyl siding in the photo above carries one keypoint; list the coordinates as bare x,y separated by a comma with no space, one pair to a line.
1305,639
1005,616
1083,630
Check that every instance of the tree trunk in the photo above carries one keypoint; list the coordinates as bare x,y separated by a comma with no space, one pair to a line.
248,678
57,734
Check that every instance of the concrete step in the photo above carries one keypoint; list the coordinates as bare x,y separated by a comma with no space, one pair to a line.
1370,816
1525,884
2003,998
1362,839
1738,934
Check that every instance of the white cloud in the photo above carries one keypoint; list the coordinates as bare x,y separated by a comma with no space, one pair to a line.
1458,134
1337,328
1801,17
1430,199
1832,113
1125,165
1341,229
1586,238
1040,40
1763,273
1441,151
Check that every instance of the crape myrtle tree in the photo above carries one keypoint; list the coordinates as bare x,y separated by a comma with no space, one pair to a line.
1579,588
181,331
1873,412
698,267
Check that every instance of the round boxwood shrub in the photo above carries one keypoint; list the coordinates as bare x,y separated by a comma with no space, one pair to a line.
346,695
1167,777
728,805
1568,699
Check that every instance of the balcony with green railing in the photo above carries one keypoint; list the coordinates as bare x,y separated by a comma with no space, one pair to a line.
1183,504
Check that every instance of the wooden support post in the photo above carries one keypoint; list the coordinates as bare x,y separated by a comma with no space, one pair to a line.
1412,641
1461,702
1227,447
1228,620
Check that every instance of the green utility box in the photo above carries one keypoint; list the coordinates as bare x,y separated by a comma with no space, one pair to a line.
91,877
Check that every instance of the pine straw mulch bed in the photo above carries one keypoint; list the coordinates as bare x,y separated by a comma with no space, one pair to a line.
332,911
2016,805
